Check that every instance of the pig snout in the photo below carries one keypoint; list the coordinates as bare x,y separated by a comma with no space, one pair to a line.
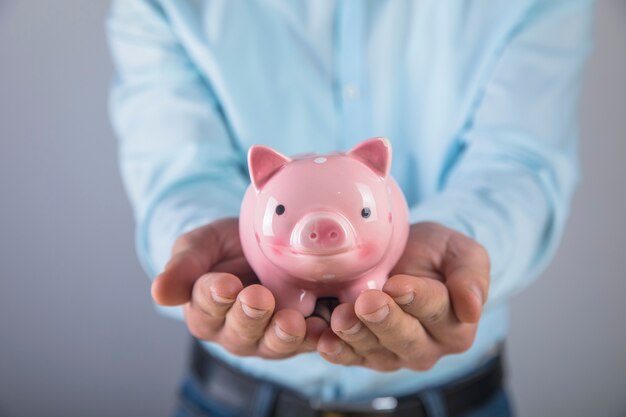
322,233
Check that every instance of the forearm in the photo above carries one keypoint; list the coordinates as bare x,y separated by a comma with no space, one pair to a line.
516,213
183,209
180,165
511,181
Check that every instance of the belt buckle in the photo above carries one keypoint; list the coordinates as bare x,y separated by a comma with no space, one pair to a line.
382,405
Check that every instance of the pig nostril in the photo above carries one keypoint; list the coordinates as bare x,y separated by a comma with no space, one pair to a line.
333,235
313,236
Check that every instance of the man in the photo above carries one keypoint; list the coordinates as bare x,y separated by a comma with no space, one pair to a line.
479,100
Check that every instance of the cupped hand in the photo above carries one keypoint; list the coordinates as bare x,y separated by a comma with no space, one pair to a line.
429,307
223,301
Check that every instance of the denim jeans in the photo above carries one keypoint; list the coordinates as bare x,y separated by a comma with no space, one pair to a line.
193,403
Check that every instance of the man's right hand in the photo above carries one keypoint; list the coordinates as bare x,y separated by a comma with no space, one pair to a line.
204,274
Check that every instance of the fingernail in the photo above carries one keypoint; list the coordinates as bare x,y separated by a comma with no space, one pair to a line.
478,293
354,329
405,299
283,335
253,313
336,350
378,315
219,299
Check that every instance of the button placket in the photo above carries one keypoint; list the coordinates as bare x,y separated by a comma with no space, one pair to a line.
351,73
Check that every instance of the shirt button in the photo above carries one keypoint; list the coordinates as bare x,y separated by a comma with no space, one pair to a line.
351,92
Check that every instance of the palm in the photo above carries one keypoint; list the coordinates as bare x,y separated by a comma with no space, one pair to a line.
424,252
233,260
223,301
428,308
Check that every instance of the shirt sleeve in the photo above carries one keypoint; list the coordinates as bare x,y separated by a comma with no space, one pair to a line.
179,163
510,185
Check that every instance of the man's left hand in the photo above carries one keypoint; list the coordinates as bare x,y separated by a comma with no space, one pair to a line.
429,307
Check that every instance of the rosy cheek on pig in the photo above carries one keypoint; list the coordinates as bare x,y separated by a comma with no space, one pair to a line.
367,250
278,241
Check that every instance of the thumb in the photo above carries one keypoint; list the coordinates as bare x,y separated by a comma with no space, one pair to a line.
467,274
193,254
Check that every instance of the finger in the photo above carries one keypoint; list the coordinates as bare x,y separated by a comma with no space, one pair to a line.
284,335
213,294
192,256
426,299
396,330
334,350
314,328
349,328
466,269
247,319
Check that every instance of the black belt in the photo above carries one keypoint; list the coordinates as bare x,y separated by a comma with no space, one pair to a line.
232,389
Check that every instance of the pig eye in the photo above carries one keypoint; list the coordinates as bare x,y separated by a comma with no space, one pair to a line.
280,209
365,213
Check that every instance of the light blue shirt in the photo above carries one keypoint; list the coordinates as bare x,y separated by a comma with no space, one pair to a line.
479,99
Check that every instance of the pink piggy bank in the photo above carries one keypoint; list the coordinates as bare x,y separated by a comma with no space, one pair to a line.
322,226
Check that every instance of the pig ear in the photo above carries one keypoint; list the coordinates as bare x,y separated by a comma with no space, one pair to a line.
263,163
375,153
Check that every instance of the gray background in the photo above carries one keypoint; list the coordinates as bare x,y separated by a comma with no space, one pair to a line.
78,334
